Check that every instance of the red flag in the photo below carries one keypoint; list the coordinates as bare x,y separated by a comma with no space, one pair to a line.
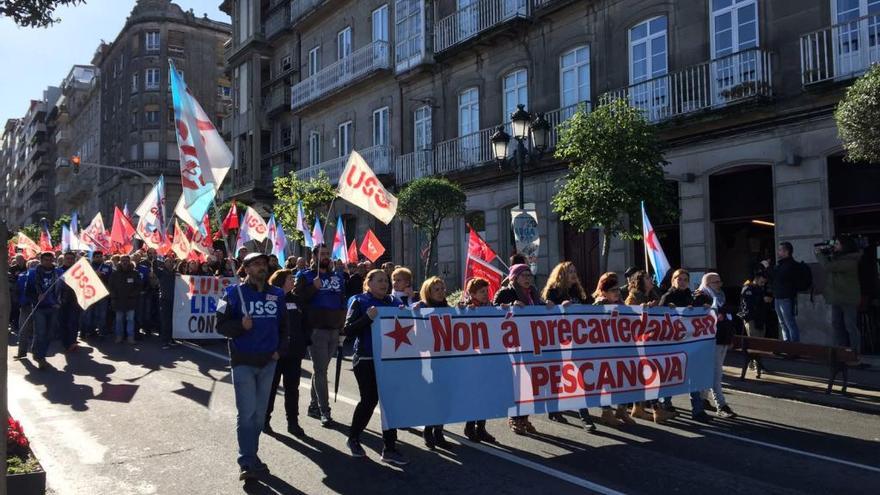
231,220
121,232
11,246
475,267
352,252
45,239
28,246
478,248
371,247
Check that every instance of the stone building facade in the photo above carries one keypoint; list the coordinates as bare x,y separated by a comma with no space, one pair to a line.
742,92
137,116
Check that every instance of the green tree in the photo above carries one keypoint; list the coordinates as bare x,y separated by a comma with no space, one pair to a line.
34,13
316,195
858,118
426,202
615,161
56,228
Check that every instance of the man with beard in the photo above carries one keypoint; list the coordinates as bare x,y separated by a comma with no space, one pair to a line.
322,291
253,316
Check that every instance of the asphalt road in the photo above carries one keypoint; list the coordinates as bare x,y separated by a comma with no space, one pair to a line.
120,419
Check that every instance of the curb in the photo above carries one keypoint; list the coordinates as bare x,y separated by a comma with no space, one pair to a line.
797,394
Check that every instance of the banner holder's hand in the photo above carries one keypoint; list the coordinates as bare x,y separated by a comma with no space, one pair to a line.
247,322
372,312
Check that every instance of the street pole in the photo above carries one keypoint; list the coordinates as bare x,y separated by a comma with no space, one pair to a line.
520,160
143,176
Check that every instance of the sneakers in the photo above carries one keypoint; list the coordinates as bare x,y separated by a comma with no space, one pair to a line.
557,417
707,405
327,421
314,411
295,429
661,416
246,473
355,448
623,416
702,418
588,424
394,457
117,339
725,412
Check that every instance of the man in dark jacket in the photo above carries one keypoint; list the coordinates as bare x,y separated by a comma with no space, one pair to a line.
96,316
125,289
41,291
322,291
783,279
165,272
17,267
253,316
71,313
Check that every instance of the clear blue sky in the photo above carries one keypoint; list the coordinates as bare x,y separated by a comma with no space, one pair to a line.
37,58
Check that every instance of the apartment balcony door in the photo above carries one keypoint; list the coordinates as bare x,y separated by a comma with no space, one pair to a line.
469,125
734,31
856,35
468,18
649,90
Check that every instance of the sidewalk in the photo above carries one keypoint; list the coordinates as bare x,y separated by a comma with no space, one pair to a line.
807,382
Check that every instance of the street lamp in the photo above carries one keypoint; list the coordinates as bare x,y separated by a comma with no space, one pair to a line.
523,124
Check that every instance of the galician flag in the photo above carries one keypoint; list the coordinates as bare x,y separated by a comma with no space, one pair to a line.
280,244
302,226
204,157
340,250
151,213
317,233
65,238
242,240
652,247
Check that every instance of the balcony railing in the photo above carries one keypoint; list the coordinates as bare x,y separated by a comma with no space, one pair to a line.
341,73
470,151
475,18
739,76
299,8
278,21
378,157
277,100
62,136
842,51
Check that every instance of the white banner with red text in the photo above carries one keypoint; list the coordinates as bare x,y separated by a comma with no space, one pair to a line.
195,306
448,365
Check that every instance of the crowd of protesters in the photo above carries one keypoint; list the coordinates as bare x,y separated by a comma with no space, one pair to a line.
279,315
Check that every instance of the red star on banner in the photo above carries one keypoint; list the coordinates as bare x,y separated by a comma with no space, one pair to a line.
651,240
400,334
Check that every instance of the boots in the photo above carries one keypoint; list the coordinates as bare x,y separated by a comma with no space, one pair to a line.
516,425
661,415
607,418
638,412
621,414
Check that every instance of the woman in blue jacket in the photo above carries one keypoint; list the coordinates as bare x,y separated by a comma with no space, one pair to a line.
362,310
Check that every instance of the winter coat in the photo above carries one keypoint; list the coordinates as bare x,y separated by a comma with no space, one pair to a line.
125,288
842,286
783,277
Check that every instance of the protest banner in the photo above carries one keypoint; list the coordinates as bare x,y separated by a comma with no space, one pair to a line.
448,365
525,233
195,305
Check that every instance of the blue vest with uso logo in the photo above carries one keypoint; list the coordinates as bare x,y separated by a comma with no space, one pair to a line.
265,309
331,295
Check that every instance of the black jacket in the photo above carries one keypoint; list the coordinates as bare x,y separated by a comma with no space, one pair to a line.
509,295
752,306
299,336
782,278
573,295
680,298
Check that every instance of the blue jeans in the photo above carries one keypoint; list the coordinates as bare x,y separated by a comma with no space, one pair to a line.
45,321
69,321
697,404
787,321
252,387
95,318
128,318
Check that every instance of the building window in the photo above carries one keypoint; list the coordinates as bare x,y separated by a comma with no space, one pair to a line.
343,141
241,83
314,148
380,23
343,43
516,92
734,26
244,20
648,62
151,150
134,82
574,76
286,136
409,32
468,111
285,64
133,152
151,116
224,91
422,139
152,41
380,127
314,60
151,79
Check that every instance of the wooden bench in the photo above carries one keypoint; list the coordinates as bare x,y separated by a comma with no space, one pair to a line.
838,359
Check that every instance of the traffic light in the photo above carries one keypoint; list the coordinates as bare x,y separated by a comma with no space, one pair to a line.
74,161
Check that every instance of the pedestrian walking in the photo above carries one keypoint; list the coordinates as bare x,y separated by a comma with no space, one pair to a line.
42,294
362,310
753,310
289,365
125,290
26,307
253,317
322,292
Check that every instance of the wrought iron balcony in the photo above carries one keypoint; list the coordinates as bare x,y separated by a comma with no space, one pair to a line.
474,19
736,77
341,73
842,51
470,151
378,157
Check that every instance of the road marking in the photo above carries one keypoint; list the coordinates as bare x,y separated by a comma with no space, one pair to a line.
794,451
493,451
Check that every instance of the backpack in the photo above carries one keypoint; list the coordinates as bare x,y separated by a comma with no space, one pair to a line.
803,279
